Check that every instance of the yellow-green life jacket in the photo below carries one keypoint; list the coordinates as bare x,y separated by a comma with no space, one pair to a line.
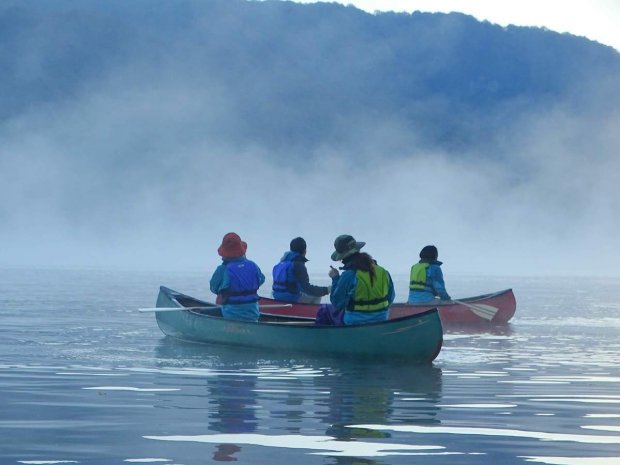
371,297
417,278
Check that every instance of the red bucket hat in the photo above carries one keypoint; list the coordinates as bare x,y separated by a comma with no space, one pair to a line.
232,246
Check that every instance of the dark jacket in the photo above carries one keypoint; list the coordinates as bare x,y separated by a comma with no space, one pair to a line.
300,276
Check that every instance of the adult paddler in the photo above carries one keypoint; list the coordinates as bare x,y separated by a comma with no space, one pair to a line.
426,278
236,280
364,290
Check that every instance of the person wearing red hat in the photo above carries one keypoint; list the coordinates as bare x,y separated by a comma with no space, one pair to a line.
236,280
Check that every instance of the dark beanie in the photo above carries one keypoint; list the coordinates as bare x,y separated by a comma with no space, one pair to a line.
429,253
298,245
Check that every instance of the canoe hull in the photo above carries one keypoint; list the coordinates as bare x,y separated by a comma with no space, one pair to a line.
451,313
416,338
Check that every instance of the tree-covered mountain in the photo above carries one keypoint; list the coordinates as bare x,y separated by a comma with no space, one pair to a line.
298,76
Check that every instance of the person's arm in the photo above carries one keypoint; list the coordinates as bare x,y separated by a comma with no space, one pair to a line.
301,275
261,276
343,287
219,280
438,284
391,292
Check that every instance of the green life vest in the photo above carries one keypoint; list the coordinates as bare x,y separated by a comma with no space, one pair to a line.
371,297
417,278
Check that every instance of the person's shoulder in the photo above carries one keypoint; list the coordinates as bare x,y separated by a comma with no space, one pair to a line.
239,261
349,273
384,269
219,269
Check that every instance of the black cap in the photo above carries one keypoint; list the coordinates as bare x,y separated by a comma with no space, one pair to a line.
429,253
298,245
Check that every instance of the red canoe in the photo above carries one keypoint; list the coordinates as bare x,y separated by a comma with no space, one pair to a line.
498,307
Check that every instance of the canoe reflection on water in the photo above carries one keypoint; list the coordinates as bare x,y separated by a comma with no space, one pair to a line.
380,395
242,391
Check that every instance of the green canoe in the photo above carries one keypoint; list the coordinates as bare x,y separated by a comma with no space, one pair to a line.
416,338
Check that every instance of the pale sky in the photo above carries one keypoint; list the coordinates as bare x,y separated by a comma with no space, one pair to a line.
597,20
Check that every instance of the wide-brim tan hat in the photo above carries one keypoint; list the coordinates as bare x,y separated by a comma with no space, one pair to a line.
346,246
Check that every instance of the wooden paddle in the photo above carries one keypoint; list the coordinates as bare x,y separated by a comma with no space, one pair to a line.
482,310
177,309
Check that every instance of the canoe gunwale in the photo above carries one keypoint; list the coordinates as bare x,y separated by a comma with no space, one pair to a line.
438,304
452,312
286,319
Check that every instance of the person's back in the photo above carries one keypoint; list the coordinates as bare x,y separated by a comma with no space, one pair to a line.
365,290
285,285
291,282
237,280
370,300
426,278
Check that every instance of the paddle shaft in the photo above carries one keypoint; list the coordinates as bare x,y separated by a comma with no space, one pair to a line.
178,309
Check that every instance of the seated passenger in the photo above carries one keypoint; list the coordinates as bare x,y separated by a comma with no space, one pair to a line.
426,279
236,280
365,290
290,277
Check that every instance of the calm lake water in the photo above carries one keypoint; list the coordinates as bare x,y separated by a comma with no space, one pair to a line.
87,379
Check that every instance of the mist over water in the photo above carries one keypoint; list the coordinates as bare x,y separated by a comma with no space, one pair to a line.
559,214
149,161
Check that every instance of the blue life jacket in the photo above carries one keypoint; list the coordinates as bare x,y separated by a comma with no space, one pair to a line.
284,281
244,282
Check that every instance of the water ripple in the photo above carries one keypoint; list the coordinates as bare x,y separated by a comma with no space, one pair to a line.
326,444
543,436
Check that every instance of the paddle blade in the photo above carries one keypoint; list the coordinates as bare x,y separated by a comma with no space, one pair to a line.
483,310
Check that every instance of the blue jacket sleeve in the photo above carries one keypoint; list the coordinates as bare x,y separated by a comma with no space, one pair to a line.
261,276
343,287
436,276
391,292
219,280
